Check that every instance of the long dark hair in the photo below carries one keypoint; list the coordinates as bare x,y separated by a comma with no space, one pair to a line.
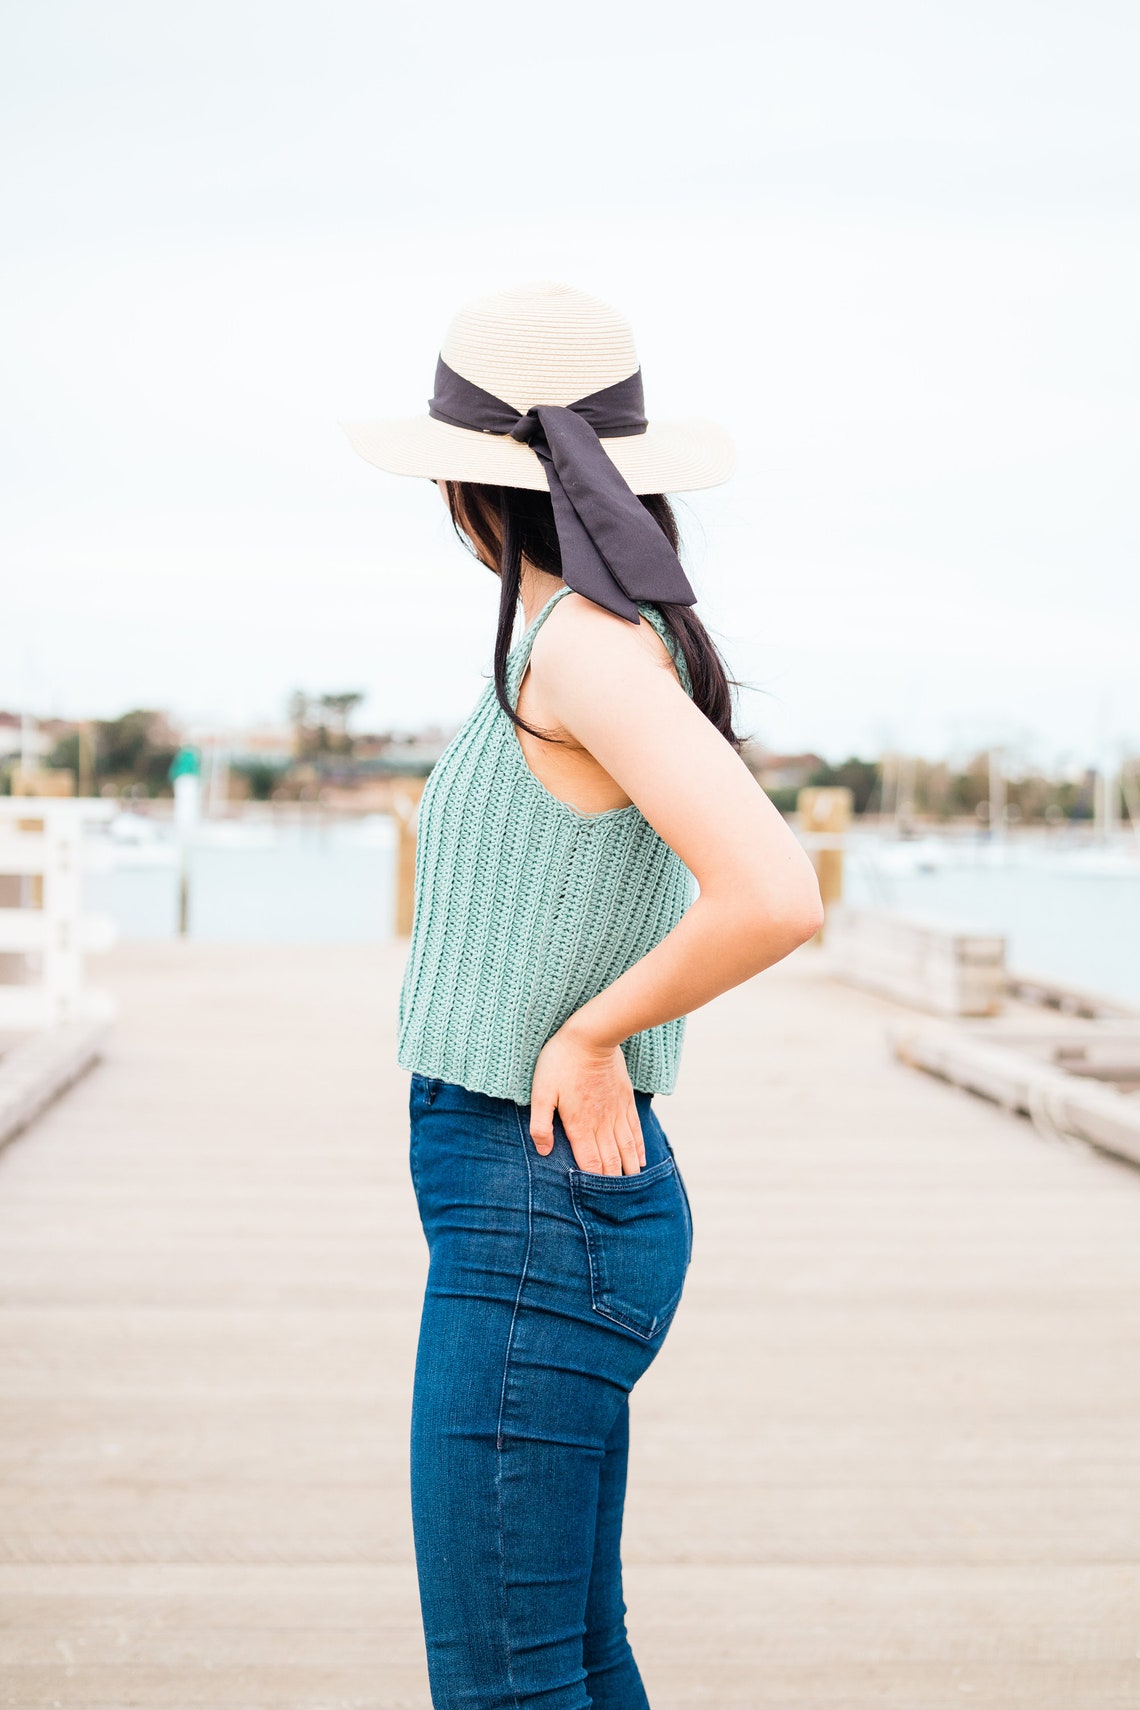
504,525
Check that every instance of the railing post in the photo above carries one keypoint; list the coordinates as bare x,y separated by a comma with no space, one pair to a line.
405,811
62,905
825,812
41,847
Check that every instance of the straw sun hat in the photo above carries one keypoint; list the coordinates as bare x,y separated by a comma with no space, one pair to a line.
543,344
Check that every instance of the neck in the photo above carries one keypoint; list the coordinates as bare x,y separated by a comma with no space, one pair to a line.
535,588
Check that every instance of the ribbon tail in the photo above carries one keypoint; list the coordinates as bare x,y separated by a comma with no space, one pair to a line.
583,567
612,549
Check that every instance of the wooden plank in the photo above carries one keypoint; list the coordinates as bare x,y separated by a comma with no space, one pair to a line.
1069,999
888,1456
38,1069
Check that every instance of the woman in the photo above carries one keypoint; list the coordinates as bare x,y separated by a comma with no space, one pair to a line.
556,951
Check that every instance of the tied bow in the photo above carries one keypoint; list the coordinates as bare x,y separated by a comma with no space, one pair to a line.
613,551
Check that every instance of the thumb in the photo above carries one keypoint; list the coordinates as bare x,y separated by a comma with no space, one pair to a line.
542,1123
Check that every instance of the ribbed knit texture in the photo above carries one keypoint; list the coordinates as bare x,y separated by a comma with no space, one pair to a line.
526,907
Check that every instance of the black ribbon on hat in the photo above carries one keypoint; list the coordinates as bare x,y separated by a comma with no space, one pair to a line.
612,550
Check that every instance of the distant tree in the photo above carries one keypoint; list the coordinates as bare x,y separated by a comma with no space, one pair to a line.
972,786
320,722
130,752
261,778
861,777
933,788
136,749
783,797
1078,800
64,757
340,709
298,713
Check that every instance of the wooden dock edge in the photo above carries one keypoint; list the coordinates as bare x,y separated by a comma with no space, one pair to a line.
38,1069
1048,993
1059,1105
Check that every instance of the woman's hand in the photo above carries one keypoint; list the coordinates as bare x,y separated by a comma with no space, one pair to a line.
589,1085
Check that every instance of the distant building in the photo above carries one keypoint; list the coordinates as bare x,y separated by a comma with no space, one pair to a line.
259,745
370,754
40,742
781,771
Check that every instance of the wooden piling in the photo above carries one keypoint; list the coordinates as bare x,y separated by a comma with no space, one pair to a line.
825,812
405,812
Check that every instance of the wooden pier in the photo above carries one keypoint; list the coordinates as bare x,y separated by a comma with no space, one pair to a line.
889,1454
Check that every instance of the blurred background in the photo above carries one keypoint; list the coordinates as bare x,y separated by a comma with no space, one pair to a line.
894,248
890,1456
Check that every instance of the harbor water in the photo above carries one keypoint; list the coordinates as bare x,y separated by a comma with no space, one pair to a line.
1069,913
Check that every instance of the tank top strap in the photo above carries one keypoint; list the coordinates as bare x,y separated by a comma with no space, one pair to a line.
520,652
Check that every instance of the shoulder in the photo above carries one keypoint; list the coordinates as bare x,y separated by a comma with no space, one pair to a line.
580,633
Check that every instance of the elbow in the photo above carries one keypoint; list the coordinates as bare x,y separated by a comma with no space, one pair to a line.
801,921
811,918
781,924
811,911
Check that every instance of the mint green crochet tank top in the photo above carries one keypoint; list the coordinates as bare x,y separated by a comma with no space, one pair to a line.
526,907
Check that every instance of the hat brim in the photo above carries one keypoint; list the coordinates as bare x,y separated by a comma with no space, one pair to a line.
669,457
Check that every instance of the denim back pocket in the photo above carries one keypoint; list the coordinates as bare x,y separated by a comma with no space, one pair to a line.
638,1242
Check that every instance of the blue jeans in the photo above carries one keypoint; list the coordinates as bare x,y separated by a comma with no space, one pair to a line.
549,1292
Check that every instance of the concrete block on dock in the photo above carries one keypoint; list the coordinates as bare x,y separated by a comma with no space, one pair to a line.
1076,1087
940,966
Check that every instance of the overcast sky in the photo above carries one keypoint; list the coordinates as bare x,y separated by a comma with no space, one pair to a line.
895,248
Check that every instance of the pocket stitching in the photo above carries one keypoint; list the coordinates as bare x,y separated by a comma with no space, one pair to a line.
594,1259
688,1219
623,1184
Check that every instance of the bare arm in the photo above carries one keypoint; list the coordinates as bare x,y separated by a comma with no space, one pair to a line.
759,897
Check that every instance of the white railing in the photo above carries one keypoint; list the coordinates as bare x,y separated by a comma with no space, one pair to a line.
44,933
